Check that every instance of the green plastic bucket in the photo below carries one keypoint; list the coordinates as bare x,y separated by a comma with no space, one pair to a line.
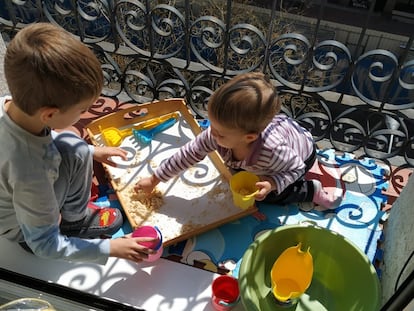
343,276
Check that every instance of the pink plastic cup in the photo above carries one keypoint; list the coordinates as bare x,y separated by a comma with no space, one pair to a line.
150,232
225,293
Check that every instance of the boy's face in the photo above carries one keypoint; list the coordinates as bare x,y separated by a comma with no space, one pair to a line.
61,119
229,137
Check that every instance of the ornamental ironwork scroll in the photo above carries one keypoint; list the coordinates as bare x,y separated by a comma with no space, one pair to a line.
162,49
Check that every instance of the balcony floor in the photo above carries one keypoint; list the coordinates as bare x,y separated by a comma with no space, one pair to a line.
368,196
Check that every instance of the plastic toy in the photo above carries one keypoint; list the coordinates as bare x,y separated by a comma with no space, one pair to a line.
225,293
343,276
151,232
291,273
145,137
113,136
243,188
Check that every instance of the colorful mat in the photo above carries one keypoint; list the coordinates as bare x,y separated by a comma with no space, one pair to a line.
358,218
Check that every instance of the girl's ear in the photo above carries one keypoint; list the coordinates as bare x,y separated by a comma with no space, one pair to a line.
251,137
47,113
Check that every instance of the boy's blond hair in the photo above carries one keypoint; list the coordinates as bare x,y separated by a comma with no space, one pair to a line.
45,66
247,102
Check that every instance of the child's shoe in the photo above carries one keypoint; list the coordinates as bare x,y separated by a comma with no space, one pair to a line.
326,200
98,223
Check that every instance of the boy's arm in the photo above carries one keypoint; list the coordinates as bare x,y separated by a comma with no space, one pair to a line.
37,215
104,154
47,242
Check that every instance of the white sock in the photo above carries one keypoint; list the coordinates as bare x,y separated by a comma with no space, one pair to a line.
323,198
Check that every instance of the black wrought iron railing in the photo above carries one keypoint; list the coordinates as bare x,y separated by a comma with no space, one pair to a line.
351,85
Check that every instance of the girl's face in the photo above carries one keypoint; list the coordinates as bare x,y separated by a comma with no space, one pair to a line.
229,137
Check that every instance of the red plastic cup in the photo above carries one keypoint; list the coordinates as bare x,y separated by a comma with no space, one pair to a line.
225,293
150,232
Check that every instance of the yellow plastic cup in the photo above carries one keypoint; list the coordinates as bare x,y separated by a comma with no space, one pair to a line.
292,273
243,188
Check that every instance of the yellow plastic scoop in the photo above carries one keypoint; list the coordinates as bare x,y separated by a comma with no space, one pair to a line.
291,273
113,136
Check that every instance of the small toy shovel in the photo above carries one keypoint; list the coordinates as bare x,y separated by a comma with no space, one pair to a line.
113,136
145,137
291,273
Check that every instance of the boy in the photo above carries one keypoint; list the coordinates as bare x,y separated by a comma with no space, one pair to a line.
249,134
46,177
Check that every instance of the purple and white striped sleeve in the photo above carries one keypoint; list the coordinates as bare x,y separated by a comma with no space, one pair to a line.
188,155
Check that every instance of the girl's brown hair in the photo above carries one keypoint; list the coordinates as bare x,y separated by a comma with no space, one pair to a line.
45,66
247,102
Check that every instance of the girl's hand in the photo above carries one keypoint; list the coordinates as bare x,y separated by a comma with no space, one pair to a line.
103,154
147,184
265,186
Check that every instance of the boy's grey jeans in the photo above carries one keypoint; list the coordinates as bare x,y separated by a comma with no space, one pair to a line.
73,186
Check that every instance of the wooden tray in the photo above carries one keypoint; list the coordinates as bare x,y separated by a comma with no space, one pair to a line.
197,200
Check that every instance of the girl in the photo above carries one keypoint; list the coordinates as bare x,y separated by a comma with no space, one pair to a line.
249,134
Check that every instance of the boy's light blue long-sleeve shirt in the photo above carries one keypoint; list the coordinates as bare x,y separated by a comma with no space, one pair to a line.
34,187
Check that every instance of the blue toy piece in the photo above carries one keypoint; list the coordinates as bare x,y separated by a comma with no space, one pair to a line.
204,124
145,137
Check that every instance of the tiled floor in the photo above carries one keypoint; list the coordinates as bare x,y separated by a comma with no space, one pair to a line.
398,179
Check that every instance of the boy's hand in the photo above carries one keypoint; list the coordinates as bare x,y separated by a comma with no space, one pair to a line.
147,184
128,248
103,154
